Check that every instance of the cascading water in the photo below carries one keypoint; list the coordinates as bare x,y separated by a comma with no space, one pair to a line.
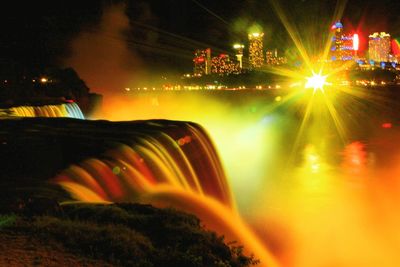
315,198
165,164
69,110
335,204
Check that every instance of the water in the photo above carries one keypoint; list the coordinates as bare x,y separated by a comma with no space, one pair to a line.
165,164
68,110
316,177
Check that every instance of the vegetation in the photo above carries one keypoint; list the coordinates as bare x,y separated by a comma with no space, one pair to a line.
46,86
50,83
128,235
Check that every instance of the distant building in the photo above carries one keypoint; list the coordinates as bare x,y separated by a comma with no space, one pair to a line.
256,54
379,47
202,62
272,58
344,46
223,65
239,54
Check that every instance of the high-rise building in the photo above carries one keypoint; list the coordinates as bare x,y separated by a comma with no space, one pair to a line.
379,47
344,46
223,65
256,54
202,62
272,58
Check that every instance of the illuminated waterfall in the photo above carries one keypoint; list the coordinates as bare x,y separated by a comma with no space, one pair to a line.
165,164
69,110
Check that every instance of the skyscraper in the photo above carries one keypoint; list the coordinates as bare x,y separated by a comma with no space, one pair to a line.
344,46
272,58
202,62
379,47
256,54
223,65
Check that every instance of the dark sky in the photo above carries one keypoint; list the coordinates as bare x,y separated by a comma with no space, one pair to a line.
35,33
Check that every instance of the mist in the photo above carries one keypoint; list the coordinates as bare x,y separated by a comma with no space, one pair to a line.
102,57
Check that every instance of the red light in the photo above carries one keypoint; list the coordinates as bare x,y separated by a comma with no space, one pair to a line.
387,125
199,60
184,140
396,47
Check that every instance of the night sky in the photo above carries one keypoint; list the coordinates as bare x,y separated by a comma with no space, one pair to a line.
162,32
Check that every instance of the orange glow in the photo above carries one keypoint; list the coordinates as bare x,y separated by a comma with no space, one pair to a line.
157,170
299,191
333,204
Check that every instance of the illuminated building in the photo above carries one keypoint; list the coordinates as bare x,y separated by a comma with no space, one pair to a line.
379,47
202,62
272,58
344,46
256,55
239,54
223,65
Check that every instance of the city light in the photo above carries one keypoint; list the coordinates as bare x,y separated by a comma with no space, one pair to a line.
379,47
356,42
239,54
288,142
238,46
256,54
316,82
343,46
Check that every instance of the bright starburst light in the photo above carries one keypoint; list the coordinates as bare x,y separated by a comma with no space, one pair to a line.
316,81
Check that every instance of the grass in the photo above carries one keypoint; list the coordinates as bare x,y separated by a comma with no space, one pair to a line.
130,235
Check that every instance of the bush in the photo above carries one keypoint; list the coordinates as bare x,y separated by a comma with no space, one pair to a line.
135,235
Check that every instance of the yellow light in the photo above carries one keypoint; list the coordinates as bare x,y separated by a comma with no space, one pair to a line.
43,80
317,82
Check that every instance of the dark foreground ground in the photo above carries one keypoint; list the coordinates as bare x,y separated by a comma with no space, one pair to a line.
111,235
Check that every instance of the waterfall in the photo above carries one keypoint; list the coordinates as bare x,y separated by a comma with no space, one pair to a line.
167,164
69,110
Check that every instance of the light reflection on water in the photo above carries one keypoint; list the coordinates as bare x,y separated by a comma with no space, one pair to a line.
317,201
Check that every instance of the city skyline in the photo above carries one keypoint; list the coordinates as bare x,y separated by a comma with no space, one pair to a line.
159,32
344,47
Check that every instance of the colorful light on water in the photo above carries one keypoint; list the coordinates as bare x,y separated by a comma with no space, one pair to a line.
68,110
290,161
289,192
154,169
